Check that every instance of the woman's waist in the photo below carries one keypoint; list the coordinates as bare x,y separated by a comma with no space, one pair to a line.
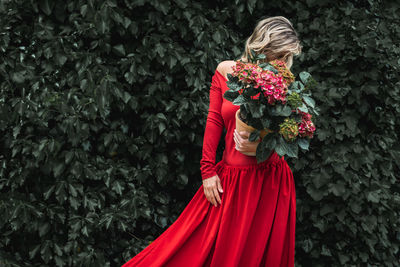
237,159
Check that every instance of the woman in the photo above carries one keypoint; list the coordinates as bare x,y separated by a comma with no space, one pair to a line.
244,213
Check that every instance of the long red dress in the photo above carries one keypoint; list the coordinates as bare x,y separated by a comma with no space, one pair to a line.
255,223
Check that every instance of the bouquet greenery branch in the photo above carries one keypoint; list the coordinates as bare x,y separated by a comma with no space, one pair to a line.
276,105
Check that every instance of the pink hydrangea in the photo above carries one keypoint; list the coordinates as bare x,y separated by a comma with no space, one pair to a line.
272,85
246,72
305,116
306,126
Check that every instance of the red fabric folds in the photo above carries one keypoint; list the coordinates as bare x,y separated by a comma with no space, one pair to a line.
255,223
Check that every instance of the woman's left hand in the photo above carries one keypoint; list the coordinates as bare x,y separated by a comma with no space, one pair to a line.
243,144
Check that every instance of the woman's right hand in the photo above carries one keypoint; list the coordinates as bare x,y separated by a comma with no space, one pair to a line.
211,187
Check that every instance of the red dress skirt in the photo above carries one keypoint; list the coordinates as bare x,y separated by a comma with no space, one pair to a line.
255,223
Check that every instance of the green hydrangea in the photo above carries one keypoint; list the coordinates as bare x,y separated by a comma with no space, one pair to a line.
289,129
294,100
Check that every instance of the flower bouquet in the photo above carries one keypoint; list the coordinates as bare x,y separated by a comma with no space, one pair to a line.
274,106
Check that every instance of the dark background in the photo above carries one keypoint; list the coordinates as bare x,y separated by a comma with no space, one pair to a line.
103,106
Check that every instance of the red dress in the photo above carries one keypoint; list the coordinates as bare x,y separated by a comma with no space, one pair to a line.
255,223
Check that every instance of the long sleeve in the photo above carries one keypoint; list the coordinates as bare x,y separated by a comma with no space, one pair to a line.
213,130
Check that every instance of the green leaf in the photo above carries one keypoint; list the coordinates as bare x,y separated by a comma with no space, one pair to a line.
296,86
284,148
109,221
261,56
117,187
270,68
58,169
232,78
343,258
18,77
251,91
303,143
307,245
240,100
256,110
303,108
251,5
252,55
281,149
126,97
316,194
102,25
374,196
263,65
281,110
16,131
119,49
304,76
254,135
46,6
216,36
49,191
161,127
83,10
72,190
183,179
43,229
230,95
309,101
172,61
69,156
338,189
233,85
293,150
61,59
266,123
34,251
355,207
326,251
265,147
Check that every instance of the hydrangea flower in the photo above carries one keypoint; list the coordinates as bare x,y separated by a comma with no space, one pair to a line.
289,129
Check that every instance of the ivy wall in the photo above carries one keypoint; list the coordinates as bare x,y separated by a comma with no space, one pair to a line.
103,106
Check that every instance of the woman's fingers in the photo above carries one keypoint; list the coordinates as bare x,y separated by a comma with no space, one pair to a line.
216,195
237,143
245,138
219,186
208,185
240,141
210,196
244,134
211,191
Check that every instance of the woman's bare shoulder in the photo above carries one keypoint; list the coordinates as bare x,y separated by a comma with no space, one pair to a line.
225,67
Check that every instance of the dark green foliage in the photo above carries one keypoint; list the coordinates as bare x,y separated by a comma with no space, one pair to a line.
103,107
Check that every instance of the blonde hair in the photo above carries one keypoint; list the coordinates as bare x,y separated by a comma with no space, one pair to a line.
276,38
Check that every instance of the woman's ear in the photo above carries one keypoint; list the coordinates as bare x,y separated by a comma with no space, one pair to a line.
289,61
